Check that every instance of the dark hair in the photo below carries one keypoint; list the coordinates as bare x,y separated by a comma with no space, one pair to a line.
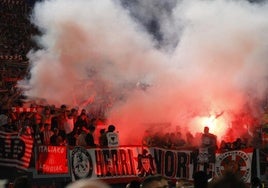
46,124
73,110
83,114
92,128
200,179
102,131
134,184
229,180
22,182
149,179
256,182
111,128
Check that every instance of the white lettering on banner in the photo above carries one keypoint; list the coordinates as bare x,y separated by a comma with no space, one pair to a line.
238,161
51,149
179,164
52,169
51,160
128,162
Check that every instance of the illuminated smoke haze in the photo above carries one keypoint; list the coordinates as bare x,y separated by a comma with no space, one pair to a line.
199,59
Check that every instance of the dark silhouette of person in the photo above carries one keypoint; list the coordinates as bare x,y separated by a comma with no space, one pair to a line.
230,180
200,179
22,182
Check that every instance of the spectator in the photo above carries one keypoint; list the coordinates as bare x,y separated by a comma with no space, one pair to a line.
81,122
229,180
9,125
179,141
22,182
47,116
209,142
166,141
237,144
155,181
81,139
112,136
87,183
74,113
37,118
208,139
147,138
54,138
190,140
61,119
133,184
90,138
39,134
69,129
223,146
47,133
264,176
84,111
200,179
103,139
256,182
93,122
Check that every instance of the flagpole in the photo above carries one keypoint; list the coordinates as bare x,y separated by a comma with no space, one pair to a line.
258,162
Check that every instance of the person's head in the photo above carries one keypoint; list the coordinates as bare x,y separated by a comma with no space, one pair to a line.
83,111
83,116
133,184
155,181
206,130
47,110
47,126
63,107
92,129
59,141
22,181
56,131
200,179
87,183
111,128
256,182
266,170
229,180
74,111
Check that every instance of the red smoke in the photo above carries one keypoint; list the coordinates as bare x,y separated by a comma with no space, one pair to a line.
209,62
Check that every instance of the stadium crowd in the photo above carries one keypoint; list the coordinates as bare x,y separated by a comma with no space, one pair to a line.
71,126
66,125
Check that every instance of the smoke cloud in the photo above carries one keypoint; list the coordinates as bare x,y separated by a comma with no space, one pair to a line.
155,62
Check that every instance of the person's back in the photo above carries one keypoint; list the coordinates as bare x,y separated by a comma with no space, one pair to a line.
87,183
90,138
200,179
102,138
133,184
22,182
112,136
155,181
256,183
228,180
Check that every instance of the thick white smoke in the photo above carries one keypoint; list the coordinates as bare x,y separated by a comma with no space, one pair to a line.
211,57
